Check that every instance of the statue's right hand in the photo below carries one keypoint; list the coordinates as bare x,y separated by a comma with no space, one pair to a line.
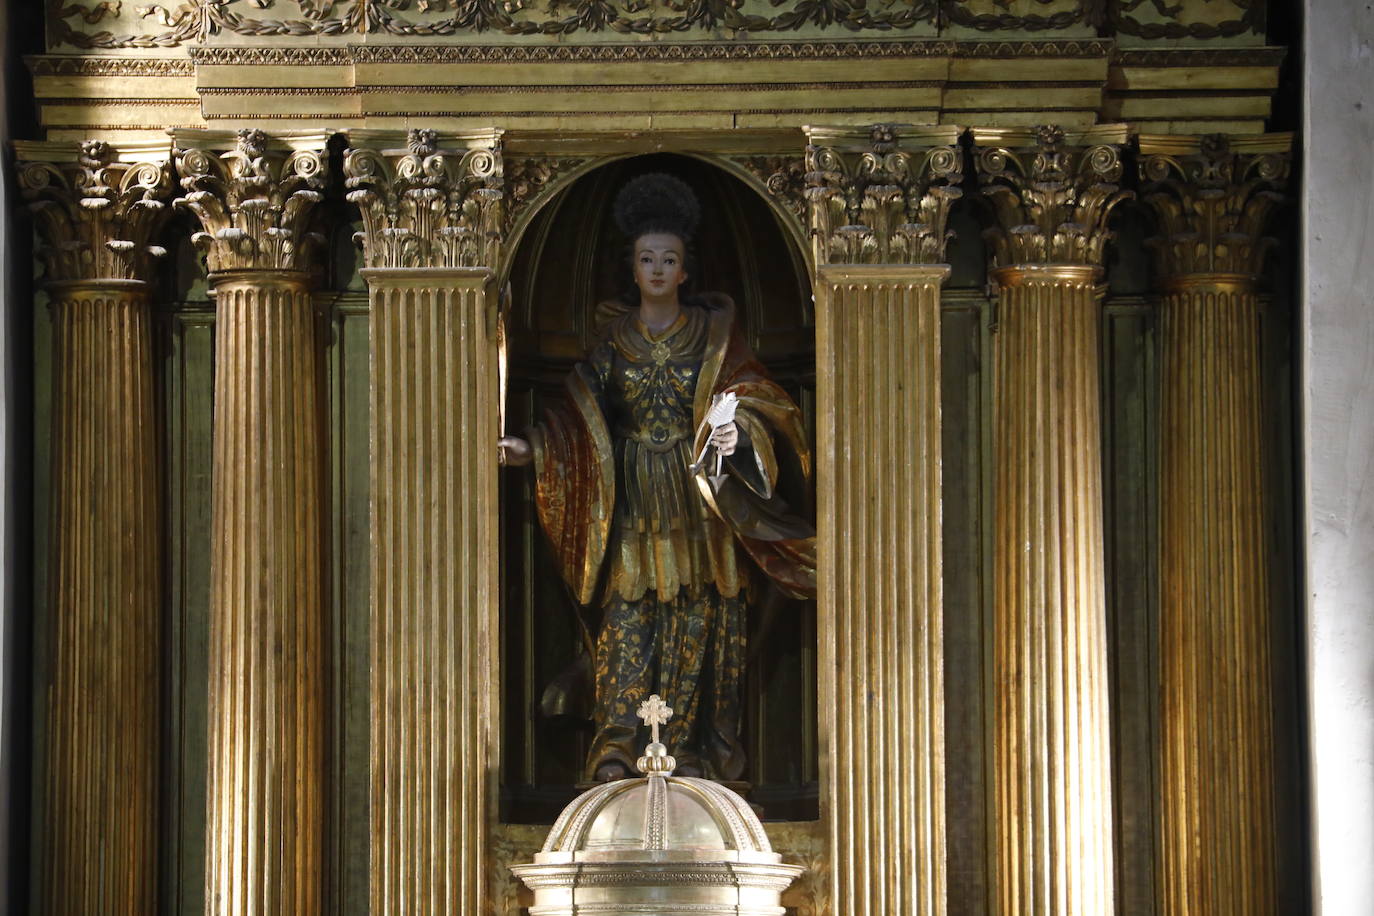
514,451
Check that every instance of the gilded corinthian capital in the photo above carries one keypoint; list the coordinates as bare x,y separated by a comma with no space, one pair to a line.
882,195
423,205
1213,196
253,195
1051,192
97,208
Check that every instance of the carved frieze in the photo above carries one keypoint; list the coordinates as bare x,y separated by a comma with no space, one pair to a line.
882,196
1213,196
97,211
1156,19
1051,193
999,16
112,24
108,25
254,199
427,206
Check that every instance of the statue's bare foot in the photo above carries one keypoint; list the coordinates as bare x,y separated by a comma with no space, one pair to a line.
611,770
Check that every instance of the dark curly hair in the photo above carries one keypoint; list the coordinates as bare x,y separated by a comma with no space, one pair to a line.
658,202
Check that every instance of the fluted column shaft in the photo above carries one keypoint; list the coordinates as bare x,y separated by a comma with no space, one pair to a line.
1212,197
1218,836
434,589
1052,773
432,215
100,810
97,210
882,683
265,836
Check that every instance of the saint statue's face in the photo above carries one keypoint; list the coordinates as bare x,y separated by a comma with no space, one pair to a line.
659,266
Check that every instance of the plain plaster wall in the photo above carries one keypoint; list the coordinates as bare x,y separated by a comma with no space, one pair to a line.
1338,447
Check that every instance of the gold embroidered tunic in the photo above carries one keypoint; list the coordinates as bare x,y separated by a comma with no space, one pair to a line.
615,497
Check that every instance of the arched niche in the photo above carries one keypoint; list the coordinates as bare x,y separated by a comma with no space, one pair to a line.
563,260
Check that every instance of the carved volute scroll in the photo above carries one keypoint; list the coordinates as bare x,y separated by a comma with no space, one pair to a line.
1051,192
98,210
1213,196
882,195
253,195
427,206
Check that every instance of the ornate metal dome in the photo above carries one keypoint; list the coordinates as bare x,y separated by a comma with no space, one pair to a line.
660,845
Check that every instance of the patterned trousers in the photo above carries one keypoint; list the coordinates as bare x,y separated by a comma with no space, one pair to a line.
690,651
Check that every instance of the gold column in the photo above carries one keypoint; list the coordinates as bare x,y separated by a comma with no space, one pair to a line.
1051,196
266,806
1212,196
432,222
879,206
97,210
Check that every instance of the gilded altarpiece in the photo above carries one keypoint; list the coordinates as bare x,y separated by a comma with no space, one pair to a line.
397,197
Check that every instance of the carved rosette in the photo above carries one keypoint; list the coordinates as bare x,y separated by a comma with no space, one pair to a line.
881,198
97,213
528,180
784,177
254,201
1051,196
423,206
1213,202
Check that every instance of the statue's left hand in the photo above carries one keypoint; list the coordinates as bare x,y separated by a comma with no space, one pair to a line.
725,437
514,451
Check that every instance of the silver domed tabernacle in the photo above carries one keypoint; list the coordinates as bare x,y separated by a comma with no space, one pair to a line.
660,845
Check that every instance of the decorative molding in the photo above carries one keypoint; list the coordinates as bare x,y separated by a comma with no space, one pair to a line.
51,65
1051,196
645,51
284,55
253,201
1213,204
427,207
1199,57
872,201
97,214
604,53
1045,47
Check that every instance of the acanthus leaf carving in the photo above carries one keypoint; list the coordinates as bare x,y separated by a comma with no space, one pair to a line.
1213,205
1051,200
254,202
878,203
97,215
425,206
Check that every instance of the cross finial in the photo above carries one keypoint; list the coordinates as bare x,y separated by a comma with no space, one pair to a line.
656,761
655,712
